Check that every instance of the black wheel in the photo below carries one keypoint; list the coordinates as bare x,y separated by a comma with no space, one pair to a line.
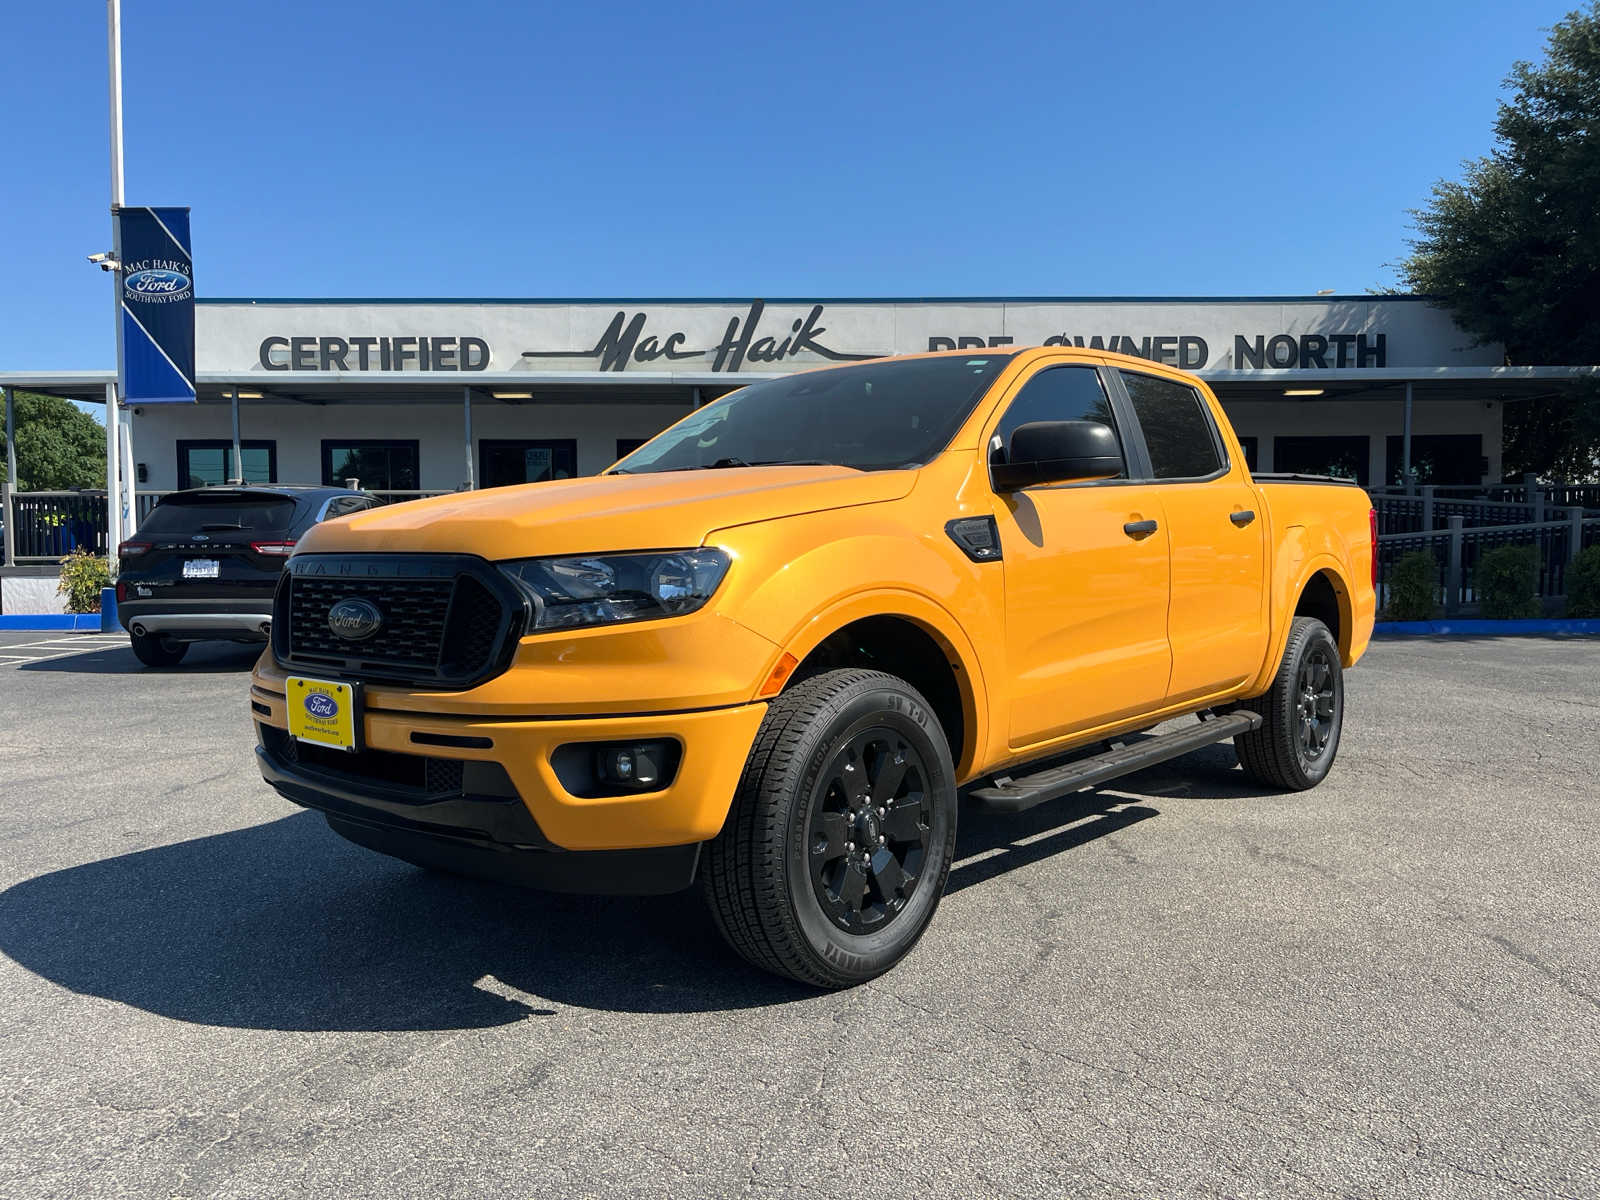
154,650
1303,713
835,853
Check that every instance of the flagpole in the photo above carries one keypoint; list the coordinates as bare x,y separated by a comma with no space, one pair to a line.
114,500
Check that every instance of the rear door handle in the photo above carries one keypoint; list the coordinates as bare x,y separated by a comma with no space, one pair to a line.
1139,529
1242,517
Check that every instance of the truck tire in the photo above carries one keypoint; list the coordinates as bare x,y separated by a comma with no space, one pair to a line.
1303,713
155,651
839,841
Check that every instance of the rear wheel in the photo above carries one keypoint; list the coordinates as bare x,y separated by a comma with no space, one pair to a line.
836,851
1303,713
153,650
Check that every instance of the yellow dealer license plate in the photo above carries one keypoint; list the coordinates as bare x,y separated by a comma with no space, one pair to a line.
323,712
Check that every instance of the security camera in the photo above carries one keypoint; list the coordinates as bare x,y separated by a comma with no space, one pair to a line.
104,261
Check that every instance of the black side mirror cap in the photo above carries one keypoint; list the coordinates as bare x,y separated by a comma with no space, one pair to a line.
1058,452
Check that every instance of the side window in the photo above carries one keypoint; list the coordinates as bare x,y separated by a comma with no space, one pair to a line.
1057,394
1177,430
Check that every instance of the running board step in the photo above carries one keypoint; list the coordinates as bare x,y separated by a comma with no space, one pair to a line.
1014,794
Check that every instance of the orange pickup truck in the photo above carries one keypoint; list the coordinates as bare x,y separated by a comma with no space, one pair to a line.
764,651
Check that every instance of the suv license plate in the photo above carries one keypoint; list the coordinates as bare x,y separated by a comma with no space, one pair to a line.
201,568
323,712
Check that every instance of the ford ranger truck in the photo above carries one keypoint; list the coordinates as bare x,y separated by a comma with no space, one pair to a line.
763,652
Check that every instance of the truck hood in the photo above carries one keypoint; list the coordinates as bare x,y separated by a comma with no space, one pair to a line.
604,512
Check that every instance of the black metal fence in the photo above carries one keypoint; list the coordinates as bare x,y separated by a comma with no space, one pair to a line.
1457,553
44,526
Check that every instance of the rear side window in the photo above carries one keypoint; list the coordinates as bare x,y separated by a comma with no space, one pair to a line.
1177,430
180,516
1057,394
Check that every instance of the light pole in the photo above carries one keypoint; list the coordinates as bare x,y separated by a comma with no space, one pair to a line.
114,505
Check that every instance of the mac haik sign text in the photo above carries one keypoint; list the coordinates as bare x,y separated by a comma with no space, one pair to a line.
155,285
341,338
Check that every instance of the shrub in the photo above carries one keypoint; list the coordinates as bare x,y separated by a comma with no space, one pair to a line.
1583,584
1414,588
1508,583
82,576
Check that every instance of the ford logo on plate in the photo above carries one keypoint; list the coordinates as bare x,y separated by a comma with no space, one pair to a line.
322,706
354,619
157,282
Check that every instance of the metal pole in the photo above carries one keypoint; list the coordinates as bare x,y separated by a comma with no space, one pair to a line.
1574,532
113,426
238,453
11,435
1405,439
125,498
694,397
466,413
1452,587
10,551
113,509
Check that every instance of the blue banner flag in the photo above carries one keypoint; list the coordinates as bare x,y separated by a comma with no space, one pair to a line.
157,297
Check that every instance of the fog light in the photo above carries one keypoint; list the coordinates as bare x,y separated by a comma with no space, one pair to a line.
637,766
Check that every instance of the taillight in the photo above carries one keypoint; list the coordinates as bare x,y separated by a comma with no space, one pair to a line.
132,549
1372,525
280,549
122,590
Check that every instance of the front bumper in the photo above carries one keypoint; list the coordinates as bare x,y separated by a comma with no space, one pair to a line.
689,810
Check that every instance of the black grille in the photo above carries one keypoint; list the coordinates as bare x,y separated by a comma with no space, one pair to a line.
447,620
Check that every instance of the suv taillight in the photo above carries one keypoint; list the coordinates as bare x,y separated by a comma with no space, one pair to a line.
1372,525
132,549
281,549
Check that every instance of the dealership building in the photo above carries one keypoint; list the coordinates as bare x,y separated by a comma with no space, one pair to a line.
414,396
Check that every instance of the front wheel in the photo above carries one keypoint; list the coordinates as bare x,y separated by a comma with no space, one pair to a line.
835,853
153,650
1303,713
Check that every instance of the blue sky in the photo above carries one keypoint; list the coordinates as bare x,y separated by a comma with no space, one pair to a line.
476,148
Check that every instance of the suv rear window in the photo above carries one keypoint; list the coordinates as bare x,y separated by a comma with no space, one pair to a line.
179,515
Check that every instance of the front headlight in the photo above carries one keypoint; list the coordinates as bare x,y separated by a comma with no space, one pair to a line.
601,589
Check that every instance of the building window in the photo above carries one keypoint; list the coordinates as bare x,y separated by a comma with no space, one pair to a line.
207,463
1250,446
626,446
381,466
522,460
1342,457
1444,458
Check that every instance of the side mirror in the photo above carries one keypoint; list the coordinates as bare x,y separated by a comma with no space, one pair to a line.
1057,452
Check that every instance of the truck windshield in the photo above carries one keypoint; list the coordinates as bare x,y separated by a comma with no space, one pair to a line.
873,417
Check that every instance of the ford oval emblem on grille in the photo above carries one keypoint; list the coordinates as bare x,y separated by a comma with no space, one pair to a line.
354,619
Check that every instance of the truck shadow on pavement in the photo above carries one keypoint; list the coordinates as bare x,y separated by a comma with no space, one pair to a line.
205,659
285,926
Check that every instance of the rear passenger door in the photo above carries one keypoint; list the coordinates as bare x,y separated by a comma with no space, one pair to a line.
1218,621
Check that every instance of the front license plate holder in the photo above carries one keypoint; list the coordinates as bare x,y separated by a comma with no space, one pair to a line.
324,712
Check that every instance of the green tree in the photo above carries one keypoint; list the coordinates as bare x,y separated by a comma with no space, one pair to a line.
59,445
1513,249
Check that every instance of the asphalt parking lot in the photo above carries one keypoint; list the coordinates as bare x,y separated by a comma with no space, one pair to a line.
1388,987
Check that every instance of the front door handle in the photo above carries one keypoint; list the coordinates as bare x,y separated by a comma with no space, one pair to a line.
1139,529
1243,517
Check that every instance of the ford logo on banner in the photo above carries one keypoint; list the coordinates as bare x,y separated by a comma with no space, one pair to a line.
322,706
157,283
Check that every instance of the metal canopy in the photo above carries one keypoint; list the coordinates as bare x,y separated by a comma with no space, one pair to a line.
671,387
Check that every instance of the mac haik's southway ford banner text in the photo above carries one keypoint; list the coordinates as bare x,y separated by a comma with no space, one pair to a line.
297,338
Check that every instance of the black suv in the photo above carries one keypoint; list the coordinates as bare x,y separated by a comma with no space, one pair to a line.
204,564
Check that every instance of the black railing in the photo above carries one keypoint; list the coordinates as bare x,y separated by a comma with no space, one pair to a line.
47,525
1458,552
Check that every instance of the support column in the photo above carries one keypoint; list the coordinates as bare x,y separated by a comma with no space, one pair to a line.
238,451
11,436
113,509
1452,577
1405,443
127,505
466,420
